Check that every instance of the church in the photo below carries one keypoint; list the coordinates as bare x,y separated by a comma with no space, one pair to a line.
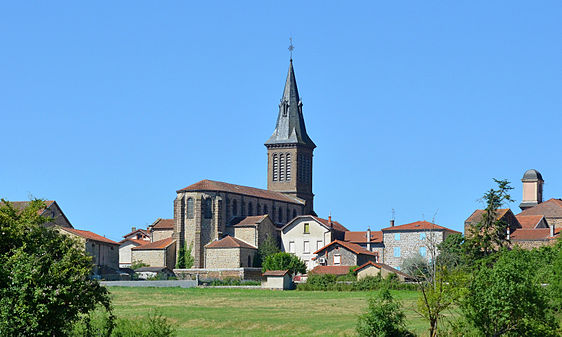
207,211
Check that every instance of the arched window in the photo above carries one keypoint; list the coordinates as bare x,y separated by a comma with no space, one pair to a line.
182,209
275,167
288,215
249,261
243,213
250,209
294,213
265,209
281,167
259,209
234,207
288,167
280,215
300,169
190,208
227,209
208,213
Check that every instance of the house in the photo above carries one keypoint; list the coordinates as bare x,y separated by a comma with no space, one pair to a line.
104,252
370,240
332,270
401,242
539,222
125,246
277,279
229,252
342,253
307,233
161,229
51,210
138,234
371,268
160,253
253,230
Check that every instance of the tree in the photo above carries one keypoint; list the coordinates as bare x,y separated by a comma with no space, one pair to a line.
490,234
284,261
505,300
269,246
384,317
45,283
451,252
416,265
181,257
185,259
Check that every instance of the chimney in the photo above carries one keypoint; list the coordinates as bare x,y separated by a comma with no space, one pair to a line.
330,218
133,229
392,223
552,230
369,238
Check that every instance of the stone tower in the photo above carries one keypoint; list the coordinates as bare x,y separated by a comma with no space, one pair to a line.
532,189
289,149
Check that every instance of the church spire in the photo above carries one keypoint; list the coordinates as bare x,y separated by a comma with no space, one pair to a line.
290,128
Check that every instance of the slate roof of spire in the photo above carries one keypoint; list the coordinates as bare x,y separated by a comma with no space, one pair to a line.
290,128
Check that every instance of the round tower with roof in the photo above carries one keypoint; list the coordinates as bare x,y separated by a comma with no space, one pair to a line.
532,189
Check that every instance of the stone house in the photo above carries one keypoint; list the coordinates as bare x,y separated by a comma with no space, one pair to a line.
160,253
342,253
305,234
104,252
125,255
51,210
161,229
373,269
420,237
137,234
370,240
253,230
229,252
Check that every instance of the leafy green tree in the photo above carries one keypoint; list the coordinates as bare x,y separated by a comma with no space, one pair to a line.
189,260
284,261
555,287
490,234
185,259
417,266
181,257
45,283
384,318
269,246
138,264
451,253
505,299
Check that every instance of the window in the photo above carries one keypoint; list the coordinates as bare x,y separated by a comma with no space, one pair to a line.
422,251
397,236
250,209
288,166
306,247
281,167
259,209
190,208
249,261
208,214
337,259
294,213
227,208
288,217
422,236
300,167
319,244
396,251
265,209
280,215
275,167
291,246
306,228
234,207
243,210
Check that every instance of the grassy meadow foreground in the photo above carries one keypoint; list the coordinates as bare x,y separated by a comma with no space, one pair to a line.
256,312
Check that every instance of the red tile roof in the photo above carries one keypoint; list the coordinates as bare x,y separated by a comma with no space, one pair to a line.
229,242
529,221
532,234
88,235
249,220
219,186
334,270
138,242
164,224
161,244
275,273
419,225
330,223
350,246
361,237
550,208
140,230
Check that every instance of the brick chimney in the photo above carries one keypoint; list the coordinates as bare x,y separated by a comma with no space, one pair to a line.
392,223
133,229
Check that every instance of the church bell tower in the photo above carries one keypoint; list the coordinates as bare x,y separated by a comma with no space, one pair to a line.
289,149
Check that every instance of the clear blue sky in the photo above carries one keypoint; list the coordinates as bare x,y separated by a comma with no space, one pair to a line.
110,107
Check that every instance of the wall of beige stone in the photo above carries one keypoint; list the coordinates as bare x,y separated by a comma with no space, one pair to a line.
161,234
347,258
103,254
247,257
368,271
410,243
247,234
220,273
59,219
125,253
153,257
222,258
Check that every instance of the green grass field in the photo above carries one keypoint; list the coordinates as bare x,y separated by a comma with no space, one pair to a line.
255,312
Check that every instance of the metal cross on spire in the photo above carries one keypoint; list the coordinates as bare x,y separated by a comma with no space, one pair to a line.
291,47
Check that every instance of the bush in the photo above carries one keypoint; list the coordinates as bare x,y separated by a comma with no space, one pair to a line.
384,317
230,282
328,282
284,261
